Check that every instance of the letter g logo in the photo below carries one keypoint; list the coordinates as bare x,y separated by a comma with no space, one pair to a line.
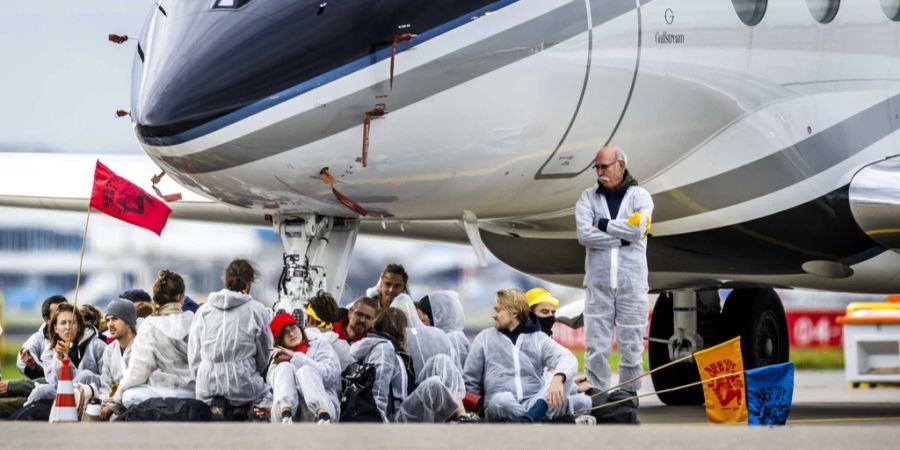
669,16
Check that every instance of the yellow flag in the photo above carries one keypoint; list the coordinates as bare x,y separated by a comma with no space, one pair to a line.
725,397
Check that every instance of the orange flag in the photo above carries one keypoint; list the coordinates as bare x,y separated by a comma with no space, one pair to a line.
726,400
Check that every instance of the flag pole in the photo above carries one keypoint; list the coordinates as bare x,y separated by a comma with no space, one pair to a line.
649,372
81,260
663,391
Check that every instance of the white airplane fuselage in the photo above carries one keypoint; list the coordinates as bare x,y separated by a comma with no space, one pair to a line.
749,137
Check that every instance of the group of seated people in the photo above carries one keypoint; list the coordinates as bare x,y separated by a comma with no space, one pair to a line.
246,363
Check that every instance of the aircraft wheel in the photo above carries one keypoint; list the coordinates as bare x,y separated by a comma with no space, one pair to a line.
757,315
661,327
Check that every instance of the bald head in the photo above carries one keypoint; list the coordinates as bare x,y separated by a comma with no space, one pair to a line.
610,166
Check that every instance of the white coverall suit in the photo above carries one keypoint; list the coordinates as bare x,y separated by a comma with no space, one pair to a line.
313,378
615,276
511,376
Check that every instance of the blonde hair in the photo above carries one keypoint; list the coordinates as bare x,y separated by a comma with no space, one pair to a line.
513,300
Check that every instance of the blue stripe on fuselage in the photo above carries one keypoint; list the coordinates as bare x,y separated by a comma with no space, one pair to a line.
308,85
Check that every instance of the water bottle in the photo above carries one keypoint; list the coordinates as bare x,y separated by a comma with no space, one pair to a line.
92,412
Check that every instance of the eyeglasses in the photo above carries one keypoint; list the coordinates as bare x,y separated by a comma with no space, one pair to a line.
602,167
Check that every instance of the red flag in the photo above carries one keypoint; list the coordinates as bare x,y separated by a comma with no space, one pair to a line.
125,201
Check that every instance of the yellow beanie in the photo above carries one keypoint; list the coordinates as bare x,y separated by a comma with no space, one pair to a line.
537,296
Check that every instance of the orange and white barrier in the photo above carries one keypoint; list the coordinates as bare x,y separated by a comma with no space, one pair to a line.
64,408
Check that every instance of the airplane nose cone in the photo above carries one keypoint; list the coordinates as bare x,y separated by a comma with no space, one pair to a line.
197,63
200,64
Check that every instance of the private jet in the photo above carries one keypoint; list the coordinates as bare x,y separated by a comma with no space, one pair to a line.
766,133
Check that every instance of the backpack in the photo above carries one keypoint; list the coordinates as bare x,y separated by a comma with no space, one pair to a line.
620,413
38,410
357,398
168,410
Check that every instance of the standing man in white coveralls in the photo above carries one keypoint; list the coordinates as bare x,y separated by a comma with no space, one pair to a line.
613,220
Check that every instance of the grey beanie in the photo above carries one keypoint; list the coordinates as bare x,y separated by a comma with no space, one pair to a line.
124,310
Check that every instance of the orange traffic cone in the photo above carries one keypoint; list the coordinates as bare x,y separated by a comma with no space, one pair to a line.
64,407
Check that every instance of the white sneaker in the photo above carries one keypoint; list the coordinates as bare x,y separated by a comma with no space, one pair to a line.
586,419
287,416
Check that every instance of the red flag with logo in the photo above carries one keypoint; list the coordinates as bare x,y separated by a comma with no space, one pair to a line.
125,201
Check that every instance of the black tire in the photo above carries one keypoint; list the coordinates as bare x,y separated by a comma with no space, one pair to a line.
662,327
757,316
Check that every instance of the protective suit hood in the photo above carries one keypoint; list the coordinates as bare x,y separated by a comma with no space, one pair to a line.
363,347
447,311
422,342
229,347
226,299
341,347
174,326
405,303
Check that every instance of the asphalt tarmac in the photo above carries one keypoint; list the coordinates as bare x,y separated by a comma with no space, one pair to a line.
827,413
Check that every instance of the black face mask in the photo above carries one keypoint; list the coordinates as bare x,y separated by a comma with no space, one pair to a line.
547,324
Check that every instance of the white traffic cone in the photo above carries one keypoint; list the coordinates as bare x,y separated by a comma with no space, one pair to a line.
65,396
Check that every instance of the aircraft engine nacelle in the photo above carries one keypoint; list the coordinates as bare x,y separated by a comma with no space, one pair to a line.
875,201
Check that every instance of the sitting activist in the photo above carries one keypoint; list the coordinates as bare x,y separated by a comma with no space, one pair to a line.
354,322
397,397
302,371
543,307
29,357
229,346
321,314
444,311
121,319
506,365
422,342
158,366
70,340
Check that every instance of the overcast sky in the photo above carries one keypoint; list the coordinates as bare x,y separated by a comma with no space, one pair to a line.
62,80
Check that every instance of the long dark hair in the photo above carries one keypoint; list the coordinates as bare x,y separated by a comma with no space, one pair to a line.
392,323
79,319
168,288
238,276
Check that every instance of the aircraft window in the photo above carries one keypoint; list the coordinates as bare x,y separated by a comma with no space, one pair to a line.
750,12
891,9
229,4
823,10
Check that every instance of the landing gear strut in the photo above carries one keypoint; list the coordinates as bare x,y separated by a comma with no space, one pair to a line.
689,321
683,322
316,257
